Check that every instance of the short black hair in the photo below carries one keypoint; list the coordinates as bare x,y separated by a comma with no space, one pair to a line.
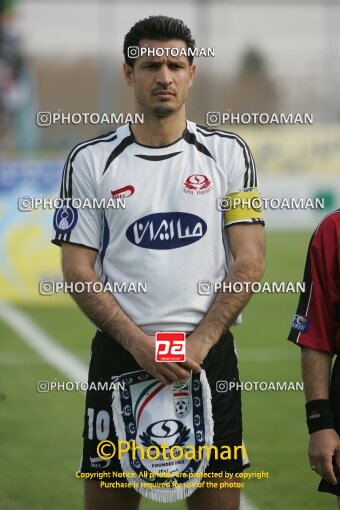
158,28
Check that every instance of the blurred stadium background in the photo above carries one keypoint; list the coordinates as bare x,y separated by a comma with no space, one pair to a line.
271,56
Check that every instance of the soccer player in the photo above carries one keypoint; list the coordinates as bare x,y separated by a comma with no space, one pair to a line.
170,235
316,329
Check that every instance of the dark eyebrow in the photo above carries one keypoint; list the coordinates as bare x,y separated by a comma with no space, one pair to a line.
171,60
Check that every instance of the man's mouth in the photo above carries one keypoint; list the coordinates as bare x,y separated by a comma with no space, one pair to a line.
164,93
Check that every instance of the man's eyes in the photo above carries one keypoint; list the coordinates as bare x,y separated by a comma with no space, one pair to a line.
157,66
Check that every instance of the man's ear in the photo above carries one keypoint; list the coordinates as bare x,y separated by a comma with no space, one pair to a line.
192,71
128,74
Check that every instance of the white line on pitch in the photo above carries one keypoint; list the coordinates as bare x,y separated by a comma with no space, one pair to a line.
42,344
245,504
54,354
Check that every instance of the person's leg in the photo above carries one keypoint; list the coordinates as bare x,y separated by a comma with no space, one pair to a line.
215,499
106,361
221,367
97,498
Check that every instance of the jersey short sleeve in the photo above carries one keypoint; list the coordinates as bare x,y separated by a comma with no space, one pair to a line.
243,202
316,323
77,221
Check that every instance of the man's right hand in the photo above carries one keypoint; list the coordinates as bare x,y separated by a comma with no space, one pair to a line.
143,351
323,445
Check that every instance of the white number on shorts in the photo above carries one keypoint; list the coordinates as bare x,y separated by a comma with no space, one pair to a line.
90,413
102,424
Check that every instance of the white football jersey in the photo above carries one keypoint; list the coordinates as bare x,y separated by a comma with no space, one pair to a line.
168,233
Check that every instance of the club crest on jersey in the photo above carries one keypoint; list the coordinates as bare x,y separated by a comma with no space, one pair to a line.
65,219
197,184
301,322
166,231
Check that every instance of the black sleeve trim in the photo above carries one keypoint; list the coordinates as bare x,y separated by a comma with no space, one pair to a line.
254,222
60,243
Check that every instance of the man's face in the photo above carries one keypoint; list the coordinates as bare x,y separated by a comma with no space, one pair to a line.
161,83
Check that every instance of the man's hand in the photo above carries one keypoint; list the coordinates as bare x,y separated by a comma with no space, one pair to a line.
323,445
197,347
166,372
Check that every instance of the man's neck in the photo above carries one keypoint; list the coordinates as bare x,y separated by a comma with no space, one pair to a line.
157,132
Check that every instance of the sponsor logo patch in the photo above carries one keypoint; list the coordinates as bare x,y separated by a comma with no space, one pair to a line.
301,322
124,192
313,415
166,231
65,219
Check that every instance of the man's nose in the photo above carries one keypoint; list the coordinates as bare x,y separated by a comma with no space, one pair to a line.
164,76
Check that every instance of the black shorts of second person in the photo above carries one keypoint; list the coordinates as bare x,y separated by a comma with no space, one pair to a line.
110,359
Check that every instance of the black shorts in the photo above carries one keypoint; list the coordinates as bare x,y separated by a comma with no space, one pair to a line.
110,359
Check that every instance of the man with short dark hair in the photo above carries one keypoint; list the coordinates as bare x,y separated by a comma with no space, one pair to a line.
171,235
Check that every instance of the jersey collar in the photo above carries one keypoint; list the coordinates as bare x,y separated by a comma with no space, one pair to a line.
159,146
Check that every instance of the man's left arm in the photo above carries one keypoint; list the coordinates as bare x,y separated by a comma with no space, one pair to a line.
247,247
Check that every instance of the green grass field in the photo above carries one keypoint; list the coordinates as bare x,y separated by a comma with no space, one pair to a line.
41,432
